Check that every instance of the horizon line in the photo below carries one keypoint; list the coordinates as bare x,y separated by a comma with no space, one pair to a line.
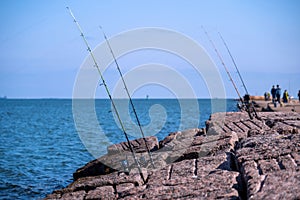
68,98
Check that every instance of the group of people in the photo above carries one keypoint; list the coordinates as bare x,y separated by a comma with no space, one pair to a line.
276,95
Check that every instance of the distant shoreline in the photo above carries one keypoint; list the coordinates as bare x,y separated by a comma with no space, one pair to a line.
118,98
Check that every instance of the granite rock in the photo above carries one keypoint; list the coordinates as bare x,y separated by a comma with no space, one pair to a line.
234,157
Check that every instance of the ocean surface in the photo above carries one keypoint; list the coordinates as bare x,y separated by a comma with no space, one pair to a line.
40,145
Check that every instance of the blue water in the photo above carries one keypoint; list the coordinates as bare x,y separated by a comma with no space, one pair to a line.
41,148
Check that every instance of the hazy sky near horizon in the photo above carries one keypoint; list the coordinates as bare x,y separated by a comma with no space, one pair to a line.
41,50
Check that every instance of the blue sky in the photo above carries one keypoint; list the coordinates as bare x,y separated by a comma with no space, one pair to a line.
41,50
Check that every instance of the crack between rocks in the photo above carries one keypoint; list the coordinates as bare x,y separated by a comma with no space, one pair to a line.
115,189
280,164
223,129
86,189
255,124
227,126
259,169
125,146
137,141
196,168
236,124
246,125
242,188
291,125
262,182
146,181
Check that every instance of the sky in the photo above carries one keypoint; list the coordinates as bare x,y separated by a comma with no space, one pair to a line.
42,51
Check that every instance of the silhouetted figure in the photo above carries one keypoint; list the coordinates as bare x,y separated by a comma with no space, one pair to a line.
267,96
273,93
299,95
278,94
285,97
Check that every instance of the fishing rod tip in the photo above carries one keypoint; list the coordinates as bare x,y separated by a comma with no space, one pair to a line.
203,28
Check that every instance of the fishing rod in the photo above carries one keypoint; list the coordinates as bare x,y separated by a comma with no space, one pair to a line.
221,59
108,93
130,99
246,104
238,71
234,63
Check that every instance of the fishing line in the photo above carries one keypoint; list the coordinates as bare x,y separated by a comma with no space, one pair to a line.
247,104
130,99
108,93
240,76
221,59
234,63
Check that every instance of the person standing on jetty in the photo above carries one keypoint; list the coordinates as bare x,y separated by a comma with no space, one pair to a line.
273,93
278,94
267,96
285,96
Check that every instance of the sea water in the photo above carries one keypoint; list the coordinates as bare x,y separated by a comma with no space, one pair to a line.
40,145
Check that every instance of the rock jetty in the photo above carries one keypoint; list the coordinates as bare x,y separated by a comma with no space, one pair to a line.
233,157
291,106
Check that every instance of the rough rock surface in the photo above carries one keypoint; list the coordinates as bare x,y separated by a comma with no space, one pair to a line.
232,158
116,153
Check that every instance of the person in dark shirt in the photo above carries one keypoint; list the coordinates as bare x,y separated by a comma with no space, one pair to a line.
278,94
273,93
